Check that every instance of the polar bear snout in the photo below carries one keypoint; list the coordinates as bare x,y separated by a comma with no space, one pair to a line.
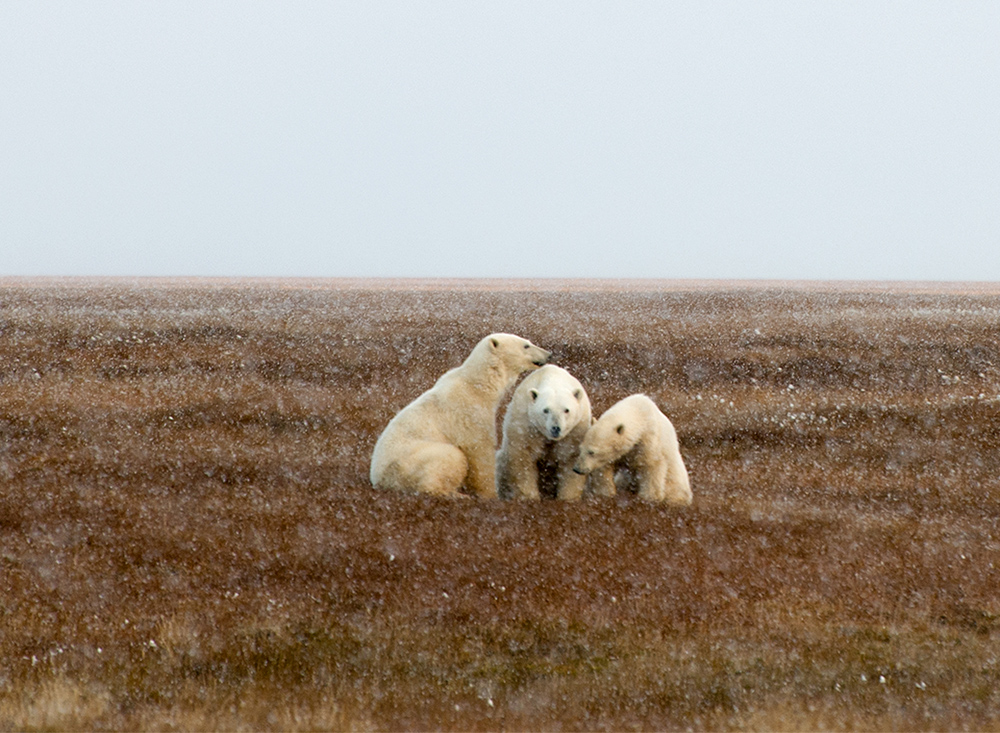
543,359
586,461
555,431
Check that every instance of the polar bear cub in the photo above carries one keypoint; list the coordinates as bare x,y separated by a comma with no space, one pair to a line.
546,419
635,435
446,438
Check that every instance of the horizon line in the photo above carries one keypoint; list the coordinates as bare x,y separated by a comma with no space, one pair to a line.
513,283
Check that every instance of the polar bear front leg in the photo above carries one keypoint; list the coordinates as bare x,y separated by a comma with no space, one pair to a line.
524,472
519,467
505,487
676,485
517,476
481,477
601,481
571,484
652,480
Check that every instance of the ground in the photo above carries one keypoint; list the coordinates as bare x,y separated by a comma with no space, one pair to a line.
188,538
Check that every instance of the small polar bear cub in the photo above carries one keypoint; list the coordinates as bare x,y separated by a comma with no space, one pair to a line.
547,418
446,438
635,435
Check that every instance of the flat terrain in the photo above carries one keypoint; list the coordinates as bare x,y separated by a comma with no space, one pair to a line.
188,537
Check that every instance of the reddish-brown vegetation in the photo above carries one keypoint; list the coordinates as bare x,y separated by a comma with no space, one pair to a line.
188,538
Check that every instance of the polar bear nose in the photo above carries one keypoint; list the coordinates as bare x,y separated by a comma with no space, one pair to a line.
545,358
555,430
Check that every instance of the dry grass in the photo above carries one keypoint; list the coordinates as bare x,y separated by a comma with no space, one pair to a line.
188,539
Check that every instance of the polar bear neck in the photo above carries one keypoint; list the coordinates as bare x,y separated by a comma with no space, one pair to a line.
486,374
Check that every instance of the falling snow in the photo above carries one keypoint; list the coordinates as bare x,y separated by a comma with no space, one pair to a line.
188,538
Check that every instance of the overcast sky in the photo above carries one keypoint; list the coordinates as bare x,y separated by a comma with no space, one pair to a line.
818,140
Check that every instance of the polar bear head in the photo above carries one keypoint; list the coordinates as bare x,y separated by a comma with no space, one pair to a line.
557,403
614,434
515,353
500,358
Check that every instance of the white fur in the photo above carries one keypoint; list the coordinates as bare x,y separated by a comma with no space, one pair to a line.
446,438
635,435
547,418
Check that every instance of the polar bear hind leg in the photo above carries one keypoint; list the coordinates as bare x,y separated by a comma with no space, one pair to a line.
432,468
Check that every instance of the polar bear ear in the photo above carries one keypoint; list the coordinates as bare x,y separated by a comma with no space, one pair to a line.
620,429
495,342
578,394
534,394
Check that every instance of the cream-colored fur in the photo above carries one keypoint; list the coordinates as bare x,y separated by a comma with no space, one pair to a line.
546,419
633,434
446,438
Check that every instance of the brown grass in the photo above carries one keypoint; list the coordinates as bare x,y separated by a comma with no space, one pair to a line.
188,539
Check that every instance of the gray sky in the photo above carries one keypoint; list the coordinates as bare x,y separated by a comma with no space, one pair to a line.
827,140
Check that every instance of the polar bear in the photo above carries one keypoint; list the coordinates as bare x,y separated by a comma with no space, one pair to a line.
446,438
546,419
634,435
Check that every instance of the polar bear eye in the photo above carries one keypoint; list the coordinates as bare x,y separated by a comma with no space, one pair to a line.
590,452
546,411
566,410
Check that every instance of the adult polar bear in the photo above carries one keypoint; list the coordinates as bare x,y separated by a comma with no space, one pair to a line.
446,438
546,419
635,433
